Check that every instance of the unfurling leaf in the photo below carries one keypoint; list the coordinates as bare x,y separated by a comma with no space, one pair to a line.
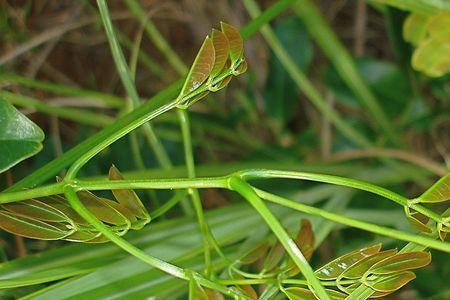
274,257
201,293
418,220
361,267
438,192
235,40
221,48
391,283
304,240
333,269
201,68
36,209
128,198
30,228
401,262
254,253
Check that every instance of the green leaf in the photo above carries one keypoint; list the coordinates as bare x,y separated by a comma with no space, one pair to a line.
401,262
334,268
414,28
221,49
391,283
438,192
31,228
235,41
432,57
360,268
128,198
19,137
439,27
201,68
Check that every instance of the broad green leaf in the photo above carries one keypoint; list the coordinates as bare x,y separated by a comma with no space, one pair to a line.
201,68
31,228
221,48
254,253
235,40
334,268
438,192
439,27
360,268
19,137
102,209
415,28
401,262
127,198
432,57
296,293
391,283
274,257
36,209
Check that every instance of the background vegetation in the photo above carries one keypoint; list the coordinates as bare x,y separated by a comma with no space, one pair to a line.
352,88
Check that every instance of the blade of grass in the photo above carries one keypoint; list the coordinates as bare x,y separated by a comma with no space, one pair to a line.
344,64
74,114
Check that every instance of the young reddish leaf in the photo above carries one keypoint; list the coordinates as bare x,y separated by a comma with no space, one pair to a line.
401,262
254,253
102,209
201,293
361,267
127,198
61,204
36,209
296,293
274,257
245,289
304,240
242,68
201,68
224,82
236,42
438,192
334,268
31,228
221,48
391,283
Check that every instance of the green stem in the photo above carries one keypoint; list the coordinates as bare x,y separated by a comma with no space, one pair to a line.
396,234
183,117
249,194
341,181
82,116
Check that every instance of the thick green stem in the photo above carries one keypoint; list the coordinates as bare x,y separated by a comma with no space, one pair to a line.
396,234
342,181
249,194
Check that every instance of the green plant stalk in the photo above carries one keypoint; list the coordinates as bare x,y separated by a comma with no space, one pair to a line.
126,77
393,233
156,36
341,181
183,117
246,191
109,100
302,81
52,168
78,115
175,271
344,64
